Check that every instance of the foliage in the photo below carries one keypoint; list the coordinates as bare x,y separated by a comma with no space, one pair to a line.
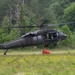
1,36
12,35
30,12
3,8
54,12
69,15
65,29
6,22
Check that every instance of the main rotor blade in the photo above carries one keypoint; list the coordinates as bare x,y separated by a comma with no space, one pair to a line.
48,25
18,26
61,24
43,23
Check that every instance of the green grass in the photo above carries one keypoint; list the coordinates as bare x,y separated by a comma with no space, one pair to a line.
34,63
36,51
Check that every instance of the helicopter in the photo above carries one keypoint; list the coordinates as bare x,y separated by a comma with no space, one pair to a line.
38,37
44,36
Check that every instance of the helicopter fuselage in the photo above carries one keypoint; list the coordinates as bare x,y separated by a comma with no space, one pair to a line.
38,37
45,37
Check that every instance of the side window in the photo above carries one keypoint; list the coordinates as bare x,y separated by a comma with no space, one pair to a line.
39,37
54,35
45,36
51,36
35,38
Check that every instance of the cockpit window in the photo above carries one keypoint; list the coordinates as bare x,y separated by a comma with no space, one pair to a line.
60,33
50,35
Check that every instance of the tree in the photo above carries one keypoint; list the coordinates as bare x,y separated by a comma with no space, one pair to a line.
12,35
69,15
6,22
23,19
1,36
65,29
54,12
3,9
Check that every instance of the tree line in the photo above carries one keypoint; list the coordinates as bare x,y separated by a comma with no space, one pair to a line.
32,12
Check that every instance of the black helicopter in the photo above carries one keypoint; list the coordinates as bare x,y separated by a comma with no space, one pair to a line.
42,36
38,37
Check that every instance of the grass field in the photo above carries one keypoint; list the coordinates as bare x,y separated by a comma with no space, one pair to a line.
34,63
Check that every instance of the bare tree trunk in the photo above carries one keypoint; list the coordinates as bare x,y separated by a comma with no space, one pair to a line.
15,14
21,29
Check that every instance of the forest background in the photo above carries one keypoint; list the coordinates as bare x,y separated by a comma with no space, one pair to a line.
32,12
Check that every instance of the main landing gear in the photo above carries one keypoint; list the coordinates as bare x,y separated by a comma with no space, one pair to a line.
5,52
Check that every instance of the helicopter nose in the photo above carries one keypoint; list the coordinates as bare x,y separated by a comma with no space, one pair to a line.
64,36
